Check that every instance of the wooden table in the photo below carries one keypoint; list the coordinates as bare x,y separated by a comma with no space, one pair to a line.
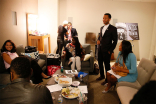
56,94
40,40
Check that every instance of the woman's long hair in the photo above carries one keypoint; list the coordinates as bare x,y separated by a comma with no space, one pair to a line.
13,48
126,49
77,44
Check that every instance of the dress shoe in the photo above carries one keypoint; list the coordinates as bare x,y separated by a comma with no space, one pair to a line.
103,83
100,78
47,77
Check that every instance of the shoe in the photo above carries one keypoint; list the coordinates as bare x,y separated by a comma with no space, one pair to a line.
100,78
103,83
47,77
107,90
106,84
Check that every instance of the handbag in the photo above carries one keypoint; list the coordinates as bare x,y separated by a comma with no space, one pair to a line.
122,67
51,69
29,49
96,69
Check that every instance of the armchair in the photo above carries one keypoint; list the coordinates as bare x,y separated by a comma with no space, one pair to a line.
85,65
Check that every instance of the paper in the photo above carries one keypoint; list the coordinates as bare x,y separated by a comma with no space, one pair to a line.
111,72
54,88
70,71
83,89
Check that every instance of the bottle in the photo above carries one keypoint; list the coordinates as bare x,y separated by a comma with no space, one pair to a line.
60,100
61,69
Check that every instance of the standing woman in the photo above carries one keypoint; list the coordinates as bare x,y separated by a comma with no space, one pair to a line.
74,53
9,53
60,38
127,57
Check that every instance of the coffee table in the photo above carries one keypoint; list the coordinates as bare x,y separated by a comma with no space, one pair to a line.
56,94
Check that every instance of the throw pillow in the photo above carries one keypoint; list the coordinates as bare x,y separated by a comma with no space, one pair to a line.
87,57
29,54
34,55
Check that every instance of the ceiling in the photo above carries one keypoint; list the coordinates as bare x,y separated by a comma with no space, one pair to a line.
137,0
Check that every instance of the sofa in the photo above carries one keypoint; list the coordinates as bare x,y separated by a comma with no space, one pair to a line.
85,65
146,72
5,76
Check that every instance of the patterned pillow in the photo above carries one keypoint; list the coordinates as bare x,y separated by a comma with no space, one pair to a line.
34,55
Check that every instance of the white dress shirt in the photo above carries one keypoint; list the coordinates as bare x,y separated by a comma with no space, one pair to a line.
104,29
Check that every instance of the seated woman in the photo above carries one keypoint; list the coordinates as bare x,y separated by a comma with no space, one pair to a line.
74,53
127,56
9,53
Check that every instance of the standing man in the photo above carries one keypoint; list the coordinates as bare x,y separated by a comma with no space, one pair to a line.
62,31
71,33
107,42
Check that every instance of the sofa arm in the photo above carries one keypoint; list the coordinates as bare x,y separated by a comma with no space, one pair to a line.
91,61
44,57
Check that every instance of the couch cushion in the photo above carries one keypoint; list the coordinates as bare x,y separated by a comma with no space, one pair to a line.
86,47
126,94
85,64
41,62
136,84
145,70
20,49
153,76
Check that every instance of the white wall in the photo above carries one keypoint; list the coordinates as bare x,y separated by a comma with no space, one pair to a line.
48,15
87,17
17,33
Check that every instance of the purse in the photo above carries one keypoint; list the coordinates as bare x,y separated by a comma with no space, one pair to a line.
122,67
51,69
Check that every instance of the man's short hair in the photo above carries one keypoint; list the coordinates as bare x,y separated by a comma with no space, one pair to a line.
70,23
109,15
21,66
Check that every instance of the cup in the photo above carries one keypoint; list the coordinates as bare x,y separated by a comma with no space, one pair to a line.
82,98
76,75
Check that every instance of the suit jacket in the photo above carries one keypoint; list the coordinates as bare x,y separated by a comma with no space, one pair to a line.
110,35
73,32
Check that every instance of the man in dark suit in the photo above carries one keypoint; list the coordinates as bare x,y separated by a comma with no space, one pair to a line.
71,32
108,33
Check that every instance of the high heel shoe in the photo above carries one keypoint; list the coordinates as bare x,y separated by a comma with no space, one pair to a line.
107,90
47,77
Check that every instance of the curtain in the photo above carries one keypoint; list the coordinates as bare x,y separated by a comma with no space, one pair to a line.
153,43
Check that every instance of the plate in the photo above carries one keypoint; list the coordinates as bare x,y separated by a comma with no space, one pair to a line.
75,83
56,78
70,92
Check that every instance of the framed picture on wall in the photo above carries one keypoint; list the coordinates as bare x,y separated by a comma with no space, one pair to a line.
127,31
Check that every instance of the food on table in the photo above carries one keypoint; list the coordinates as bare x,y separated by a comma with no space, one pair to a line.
70,92
63,82
59,76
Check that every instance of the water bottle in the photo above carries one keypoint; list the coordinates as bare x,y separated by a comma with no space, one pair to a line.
61,69
60,100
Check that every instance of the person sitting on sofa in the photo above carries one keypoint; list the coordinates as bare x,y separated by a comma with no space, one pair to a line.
9,53
127,56
74,53
20,90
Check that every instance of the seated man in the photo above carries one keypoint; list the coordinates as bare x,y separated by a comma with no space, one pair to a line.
20,90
